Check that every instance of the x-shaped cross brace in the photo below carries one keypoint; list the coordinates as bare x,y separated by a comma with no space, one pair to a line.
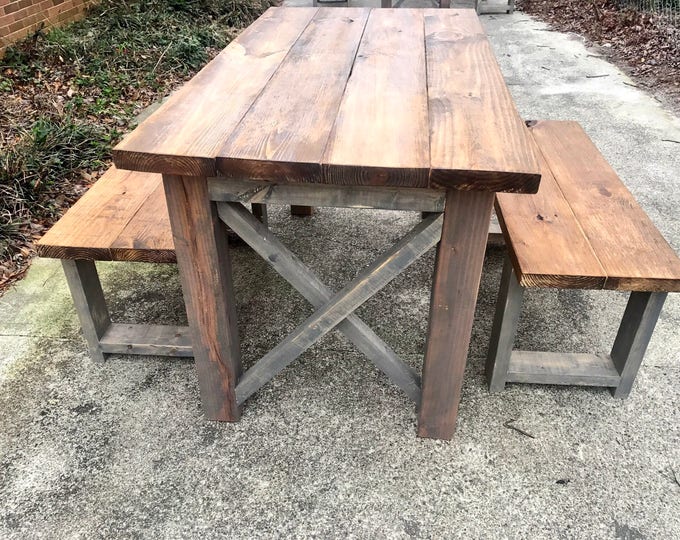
332,309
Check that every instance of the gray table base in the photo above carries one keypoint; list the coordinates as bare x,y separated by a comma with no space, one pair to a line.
616,370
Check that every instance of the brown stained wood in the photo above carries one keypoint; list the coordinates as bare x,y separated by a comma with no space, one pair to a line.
547,245
91,226
456,280
186,132
388,92
633,253
147,237
285,131
205,271
478,140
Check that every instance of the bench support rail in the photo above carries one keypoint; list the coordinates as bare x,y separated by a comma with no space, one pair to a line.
616,370
105,337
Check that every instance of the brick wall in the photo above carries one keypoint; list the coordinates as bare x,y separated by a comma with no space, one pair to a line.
19,18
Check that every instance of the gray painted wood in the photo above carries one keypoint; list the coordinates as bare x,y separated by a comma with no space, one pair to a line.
387,198
260,212
424,236
147,339
562,368
637,325
504,329
88,298
307,283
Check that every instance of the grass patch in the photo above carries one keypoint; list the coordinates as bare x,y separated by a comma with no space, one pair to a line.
67,96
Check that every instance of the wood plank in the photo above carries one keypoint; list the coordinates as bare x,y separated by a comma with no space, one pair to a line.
321,195
547,245
375,277
504,329
301,210
307,283
283,135
147,237
478,140
205,272
458,270
88,298
147,339
388,92
637,325
186,132
92,224
562,368
632,251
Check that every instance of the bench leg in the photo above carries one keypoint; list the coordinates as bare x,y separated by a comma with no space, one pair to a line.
508,307
260,212
88,298
301,211
631,341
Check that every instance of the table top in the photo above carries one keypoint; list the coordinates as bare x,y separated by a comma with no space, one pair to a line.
355,96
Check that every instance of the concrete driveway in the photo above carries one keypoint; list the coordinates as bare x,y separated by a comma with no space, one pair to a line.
328,449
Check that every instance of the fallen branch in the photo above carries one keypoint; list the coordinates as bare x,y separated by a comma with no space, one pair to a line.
510,424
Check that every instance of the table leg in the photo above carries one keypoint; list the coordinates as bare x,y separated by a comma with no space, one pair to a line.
457,274
205,272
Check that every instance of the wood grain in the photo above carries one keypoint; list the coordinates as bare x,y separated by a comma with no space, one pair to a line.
388,92
547,244
286,129
92,225
478,140
147,339
631,250
458,270
186,132
562,368
205,272
388,197
307,283
383,270
147,236
88,298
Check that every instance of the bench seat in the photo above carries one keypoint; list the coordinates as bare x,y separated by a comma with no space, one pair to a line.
582,230
122,217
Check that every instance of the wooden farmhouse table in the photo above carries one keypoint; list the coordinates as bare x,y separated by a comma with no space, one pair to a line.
352,107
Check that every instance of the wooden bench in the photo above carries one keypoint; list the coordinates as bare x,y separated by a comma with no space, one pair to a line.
123,217
582,230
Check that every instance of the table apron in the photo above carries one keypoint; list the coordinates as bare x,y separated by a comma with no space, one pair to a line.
344,196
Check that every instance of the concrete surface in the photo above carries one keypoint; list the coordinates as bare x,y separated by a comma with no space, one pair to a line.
328,449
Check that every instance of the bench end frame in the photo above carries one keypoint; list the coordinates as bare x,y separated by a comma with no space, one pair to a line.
635,331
